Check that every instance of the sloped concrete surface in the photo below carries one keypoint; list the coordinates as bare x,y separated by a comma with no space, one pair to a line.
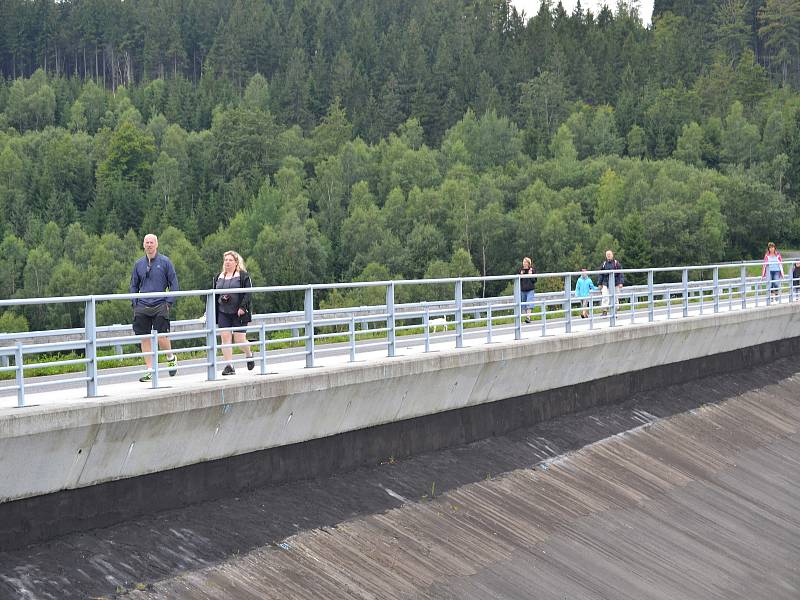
689,491
705,504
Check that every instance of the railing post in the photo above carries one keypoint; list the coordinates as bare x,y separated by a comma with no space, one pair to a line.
668,293
426,320
701,294
20,360
685,282
567,303
716,289
211,336
352,332
308,307
744,286
154,350
633,306
612,297
651,299
543,313
390,320
262,343
489,323
517,309
90,327
459,314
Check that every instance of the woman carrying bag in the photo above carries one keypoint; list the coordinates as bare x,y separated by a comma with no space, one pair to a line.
233,309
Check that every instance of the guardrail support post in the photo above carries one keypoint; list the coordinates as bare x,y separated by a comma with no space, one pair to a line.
651,300
390,320
459,314
351,330
612,298
19,360
489,323
308,307
716,289
567,303
90,328
517,309
154,350
211,336
426,319
633,307
262,343
685,282
743,288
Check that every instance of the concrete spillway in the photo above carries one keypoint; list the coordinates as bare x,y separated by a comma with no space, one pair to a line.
77,466
685,491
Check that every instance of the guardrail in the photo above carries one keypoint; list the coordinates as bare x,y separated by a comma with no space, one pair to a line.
682,292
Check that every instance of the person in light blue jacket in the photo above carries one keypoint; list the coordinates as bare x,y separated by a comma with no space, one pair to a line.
584,287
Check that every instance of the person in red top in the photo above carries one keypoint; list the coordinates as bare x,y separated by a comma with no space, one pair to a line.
773,268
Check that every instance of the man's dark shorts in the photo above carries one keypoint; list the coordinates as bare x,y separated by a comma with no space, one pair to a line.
147,318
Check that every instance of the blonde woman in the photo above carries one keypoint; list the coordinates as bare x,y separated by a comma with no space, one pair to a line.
233,308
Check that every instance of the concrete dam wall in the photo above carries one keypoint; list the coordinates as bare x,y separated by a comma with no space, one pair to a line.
70,467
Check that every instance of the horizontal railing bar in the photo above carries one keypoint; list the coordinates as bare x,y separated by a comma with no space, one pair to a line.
57,363
41,384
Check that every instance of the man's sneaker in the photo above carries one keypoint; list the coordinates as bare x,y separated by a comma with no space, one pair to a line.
228,370
251,364
146,377
172,363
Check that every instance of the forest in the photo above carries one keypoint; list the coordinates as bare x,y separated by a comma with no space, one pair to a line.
339,140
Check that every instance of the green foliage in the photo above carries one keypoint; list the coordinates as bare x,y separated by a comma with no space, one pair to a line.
330,142
31,103
690,145
11,322
739,138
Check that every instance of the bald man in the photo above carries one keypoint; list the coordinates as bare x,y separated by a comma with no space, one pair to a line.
153,273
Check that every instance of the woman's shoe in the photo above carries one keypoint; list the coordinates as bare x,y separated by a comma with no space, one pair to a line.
228,370
251,364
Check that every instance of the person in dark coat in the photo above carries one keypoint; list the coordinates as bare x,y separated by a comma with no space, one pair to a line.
609,264
527,286
233,309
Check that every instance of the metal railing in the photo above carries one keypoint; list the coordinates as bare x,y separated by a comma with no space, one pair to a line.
662,293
